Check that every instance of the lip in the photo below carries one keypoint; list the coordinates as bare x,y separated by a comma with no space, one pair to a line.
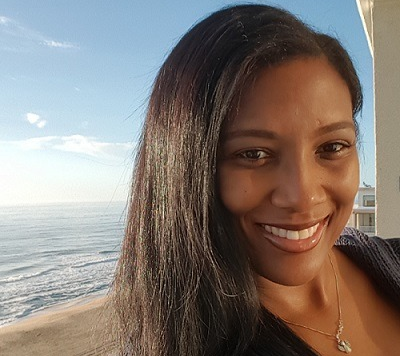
296,246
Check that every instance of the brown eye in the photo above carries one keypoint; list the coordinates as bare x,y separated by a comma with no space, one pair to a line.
333,147
253,155
333,150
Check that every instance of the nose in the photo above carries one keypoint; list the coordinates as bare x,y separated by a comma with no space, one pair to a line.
299,185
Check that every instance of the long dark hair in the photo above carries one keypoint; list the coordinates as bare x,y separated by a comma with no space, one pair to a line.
183,284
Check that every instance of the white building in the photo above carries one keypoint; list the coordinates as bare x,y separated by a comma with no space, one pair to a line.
381,20
363,215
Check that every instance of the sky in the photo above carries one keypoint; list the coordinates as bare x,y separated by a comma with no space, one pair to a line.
75,77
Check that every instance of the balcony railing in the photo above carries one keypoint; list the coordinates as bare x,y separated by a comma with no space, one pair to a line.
370,230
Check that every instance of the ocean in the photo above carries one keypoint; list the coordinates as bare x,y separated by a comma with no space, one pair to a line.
55,253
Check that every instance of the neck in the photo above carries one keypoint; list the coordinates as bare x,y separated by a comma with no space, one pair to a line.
310,298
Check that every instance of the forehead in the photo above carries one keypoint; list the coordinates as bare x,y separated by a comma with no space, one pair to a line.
305,89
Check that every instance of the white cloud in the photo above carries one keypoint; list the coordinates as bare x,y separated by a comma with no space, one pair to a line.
17,38
35,143
56,44
79,144
4,20
34,119
41,124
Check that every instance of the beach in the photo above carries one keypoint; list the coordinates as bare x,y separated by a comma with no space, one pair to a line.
76,329
56,253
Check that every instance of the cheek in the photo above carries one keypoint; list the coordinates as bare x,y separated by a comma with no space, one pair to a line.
350,181
344,184
237,191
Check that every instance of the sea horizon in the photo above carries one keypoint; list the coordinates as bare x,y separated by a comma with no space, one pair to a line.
61,202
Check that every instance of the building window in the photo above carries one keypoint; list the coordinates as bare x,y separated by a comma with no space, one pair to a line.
366,219
369,200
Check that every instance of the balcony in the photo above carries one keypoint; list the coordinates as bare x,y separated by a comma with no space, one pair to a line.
369,230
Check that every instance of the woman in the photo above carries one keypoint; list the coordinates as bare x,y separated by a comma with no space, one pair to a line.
245,177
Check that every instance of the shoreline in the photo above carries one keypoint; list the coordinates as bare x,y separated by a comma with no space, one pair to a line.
63,305
75,328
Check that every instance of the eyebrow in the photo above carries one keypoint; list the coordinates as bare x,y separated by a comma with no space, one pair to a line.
250,133
342,125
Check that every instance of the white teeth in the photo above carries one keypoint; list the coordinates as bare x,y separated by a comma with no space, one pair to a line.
292,234
303,234
312,229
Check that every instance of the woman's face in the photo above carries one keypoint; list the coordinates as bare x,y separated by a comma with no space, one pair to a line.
288,168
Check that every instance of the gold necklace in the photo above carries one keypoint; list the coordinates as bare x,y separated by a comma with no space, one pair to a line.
342,345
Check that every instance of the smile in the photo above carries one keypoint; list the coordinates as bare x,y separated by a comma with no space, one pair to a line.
291,234
295,240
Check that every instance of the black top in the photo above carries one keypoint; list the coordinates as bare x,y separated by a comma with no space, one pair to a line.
379,258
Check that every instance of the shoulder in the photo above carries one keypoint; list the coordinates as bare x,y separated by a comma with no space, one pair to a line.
358,242
378,257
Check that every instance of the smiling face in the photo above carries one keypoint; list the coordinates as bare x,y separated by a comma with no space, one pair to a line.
288,168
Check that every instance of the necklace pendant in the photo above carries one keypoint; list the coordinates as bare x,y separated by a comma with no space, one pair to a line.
344,346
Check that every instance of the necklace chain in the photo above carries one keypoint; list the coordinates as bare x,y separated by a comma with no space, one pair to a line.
342,345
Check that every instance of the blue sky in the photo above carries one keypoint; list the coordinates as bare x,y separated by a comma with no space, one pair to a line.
75,77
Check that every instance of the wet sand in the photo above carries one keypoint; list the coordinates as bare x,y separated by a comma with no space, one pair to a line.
69,329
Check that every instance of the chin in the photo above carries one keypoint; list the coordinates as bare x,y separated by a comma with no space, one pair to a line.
271,264
303,274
